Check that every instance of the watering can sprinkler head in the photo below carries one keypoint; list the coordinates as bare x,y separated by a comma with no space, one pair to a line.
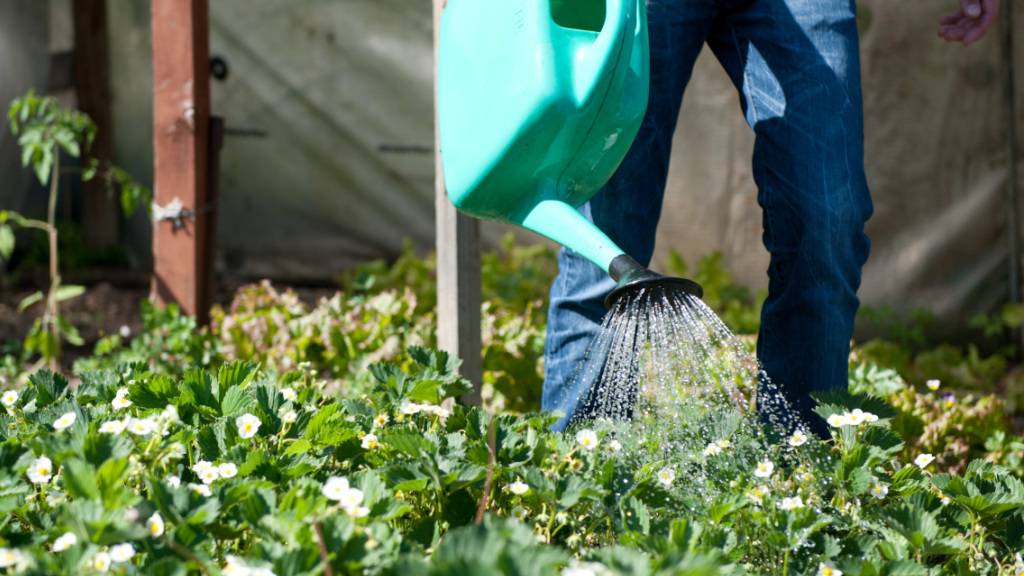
631,278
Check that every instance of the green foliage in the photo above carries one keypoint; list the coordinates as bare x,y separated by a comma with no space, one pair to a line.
46,130
233,466
348,388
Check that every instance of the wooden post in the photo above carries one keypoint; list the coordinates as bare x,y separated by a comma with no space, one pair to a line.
181,114
92,86
458,266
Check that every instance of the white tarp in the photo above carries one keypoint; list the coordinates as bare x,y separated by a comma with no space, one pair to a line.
24,64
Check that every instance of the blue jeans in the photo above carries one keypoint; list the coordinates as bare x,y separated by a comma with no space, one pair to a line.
796,66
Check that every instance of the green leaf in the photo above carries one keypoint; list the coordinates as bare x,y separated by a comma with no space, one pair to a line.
155,392
29,300
237,401
69,291
80,479
48,387
6,242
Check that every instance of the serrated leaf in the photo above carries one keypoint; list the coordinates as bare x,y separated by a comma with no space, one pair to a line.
237,401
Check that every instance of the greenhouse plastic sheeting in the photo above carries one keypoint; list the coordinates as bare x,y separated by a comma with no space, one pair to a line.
343,91
24,60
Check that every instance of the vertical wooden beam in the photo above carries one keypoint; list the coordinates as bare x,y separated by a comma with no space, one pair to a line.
458,265
92,86
181,114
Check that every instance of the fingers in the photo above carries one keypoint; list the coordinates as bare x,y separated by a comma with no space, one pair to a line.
979,28
972,8
973,21
951,19
954,29
952,33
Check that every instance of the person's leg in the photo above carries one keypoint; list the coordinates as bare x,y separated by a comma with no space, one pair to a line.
628,207
797,67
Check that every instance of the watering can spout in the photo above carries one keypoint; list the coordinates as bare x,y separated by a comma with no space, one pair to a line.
558,221
596,61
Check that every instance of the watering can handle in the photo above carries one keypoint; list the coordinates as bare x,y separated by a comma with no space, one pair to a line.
620,20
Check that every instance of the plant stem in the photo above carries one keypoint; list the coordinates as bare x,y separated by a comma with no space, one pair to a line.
488,481
52,308
322,546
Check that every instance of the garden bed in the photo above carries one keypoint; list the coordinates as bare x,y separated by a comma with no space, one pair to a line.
303,436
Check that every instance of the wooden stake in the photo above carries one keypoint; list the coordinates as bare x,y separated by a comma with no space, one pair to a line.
458,266
181,114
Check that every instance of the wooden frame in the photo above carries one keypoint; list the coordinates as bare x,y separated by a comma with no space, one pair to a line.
458,266
181,115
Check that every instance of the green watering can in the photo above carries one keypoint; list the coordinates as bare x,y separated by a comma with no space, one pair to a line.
539,102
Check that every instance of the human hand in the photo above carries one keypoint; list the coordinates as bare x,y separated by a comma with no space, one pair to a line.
970,23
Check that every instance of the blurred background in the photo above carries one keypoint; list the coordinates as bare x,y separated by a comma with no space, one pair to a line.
327,159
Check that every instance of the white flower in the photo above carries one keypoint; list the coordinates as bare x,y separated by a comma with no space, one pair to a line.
122,552
933,384
439,411
335,488
587,439
289,417
248,425
170,413
113,426
923,460
64,421
101,562
201,489
713,449
125,331
155,525
764,469
791,503
357,511
9,557
172,480
585,569
666,476
855,418
409,408
615,445
828,570
121,400
209,475
351,498
879,491
289,394
380,420
797,438
519,487
141,426
869,417
64,541
227,470
838,420
201,466
233,566
757,493
41,470
9,398
370,442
